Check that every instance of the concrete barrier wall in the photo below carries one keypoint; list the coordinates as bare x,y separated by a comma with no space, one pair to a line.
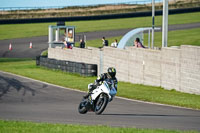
190,69
171,68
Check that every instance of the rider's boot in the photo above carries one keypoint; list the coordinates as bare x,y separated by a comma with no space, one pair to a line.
87,95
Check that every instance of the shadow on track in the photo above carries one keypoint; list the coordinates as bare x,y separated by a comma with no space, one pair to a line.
7,83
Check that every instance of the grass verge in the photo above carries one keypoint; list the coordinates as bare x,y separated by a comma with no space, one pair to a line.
94,10
134,91
175,38
179,37
11,31
30,127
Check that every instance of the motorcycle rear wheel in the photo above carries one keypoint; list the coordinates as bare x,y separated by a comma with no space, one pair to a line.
82,107
101,104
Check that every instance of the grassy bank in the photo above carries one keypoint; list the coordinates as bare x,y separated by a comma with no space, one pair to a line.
134,91
30,127
11,31
179,37
95,9
175,38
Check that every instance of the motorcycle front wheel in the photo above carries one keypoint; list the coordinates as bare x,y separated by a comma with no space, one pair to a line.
101,104
82,107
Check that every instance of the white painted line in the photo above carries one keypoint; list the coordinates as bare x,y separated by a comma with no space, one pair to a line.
123,98
159,104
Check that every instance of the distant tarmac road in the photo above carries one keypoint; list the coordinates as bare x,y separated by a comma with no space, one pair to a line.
21,46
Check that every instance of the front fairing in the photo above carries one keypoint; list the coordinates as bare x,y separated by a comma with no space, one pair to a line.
105,87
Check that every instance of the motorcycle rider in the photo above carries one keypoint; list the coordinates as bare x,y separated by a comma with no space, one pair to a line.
110,75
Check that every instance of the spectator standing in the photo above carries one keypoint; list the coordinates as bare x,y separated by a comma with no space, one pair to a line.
105,42
65,39
66,43
82,43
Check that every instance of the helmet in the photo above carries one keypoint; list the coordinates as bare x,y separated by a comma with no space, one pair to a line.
111,72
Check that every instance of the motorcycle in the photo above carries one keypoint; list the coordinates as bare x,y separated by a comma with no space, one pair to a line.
98,98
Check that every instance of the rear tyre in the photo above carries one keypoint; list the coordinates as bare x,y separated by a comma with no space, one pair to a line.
101,104
82,107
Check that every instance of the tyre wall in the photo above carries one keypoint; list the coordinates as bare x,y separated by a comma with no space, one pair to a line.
83,69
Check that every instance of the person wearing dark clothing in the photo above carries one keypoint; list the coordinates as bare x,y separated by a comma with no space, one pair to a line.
82,44
69,45
105,42
110,75
138,44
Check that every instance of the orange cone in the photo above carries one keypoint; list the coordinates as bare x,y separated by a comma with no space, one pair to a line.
10,47
31,46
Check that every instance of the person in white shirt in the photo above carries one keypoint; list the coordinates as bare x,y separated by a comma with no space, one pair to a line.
114,44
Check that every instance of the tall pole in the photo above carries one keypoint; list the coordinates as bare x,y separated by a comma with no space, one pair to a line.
153,22
165,23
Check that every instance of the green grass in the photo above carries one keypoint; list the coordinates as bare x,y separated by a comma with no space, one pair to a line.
40,29
175,38
158,95
13,59
31,127
179,37
92,10
134,91
28,68
98,42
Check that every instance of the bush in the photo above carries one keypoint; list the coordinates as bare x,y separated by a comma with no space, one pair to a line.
44,53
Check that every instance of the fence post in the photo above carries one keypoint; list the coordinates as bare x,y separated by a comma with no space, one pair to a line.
149,39
50,36
101,62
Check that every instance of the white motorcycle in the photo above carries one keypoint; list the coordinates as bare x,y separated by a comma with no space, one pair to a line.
98,98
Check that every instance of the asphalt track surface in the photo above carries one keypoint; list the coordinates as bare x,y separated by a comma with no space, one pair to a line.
21,46
31,100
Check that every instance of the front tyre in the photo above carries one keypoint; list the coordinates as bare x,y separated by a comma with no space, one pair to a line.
101,104
82,107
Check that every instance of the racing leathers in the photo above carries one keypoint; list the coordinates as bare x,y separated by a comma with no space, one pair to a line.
99,81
